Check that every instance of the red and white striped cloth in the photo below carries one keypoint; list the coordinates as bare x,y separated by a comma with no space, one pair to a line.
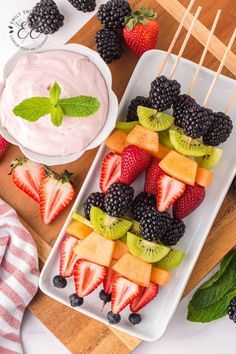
18,277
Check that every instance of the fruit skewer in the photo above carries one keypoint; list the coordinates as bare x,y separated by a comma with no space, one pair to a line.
231,102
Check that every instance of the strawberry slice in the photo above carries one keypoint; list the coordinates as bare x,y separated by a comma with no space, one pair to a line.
3,146
28,175
152,175
67,256
144,297
133,162
168,191
123,292
87,277
56,192
110,171
109,280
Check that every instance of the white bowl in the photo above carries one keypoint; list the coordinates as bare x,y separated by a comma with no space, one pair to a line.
111,115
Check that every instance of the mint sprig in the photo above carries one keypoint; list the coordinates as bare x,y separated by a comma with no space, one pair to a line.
34,108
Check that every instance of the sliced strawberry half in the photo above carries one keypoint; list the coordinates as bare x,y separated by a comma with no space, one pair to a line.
67,256
56,192
144,297
123,292
87,277
28,175
110,171
109,280
152,175
168,191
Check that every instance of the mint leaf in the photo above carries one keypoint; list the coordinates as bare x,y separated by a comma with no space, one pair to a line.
56,116
80,106
33,108
55,92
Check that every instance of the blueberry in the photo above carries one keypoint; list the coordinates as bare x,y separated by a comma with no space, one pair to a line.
135,318
75,300
59,281
113,318
104,297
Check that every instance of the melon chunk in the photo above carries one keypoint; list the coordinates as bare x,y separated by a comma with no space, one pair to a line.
96,249
163,151
117,141
134,269
144,138
120,249
179,167
160,276
78,229
204,177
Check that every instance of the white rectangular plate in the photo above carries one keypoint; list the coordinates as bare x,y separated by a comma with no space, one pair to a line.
158,313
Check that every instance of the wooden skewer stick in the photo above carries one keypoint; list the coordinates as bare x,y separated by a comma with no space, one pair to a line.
231,102
185,42
204,53
205,103
176,36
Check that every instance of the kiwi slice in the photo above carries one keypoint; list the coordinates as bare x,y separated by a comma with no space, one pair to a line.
211,159
171,261
78,217
147,251
152,119
126,126
164,138
185,145
108,226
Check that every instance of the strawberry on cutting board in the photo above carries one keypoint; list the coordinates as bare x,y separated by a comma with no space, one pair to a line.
144,297
141,31
56,192
152,175
3,146
28,175
67,256
110,171
168,191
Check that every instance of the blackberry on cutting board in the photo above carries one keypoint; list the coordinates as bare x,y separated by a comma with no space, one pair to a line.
112,14
132,109
154,224
232,310
219,131
163,93
174,233
141,203
94,199
118,199
45,17
84,5
109,45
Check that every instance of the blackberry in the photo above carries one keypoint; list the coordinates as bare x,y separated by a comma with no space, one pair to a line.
59,281
232,310
132,109
94,199
219,130
141,203
84,5
109,45
174,233
154,224
118,199
163,93
113,318
45,17
104,297
112,14
135,318
75,300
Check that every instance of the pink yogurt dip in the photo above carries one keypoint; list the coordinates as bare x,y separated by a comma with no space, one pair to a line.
32,76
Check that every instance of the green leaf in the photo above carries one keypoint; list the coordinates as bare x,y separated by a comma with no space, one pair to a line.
56,116
33,108
55,92
81,106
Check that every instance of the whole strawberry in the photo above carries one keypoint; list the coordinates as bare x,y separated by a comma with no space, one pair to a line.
190,200
152,175
3,146
141,31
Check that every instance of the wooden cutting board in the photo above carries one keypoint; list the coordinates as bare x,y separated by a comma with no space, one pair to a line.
79,333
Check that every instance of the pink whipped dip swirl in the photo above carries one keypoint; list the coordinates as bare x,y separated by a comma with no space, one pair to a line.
33,76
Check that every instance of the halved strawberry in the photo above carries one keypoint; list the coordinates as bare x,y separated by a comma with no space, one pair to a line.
87,277
168,191
67,256
110,171
152,175
109,280
144,297
123,292
56,192
28,175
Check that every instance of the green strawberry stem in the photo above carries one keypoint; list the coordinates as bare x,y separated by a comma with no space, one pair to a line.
63,177
139,16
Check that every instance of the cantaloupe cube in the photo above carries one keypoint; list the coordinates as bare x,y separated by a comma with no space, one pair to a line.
134,269
204,177
120,249
163,151
78,229
96,249
179,167
117,141
144,138
160,276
